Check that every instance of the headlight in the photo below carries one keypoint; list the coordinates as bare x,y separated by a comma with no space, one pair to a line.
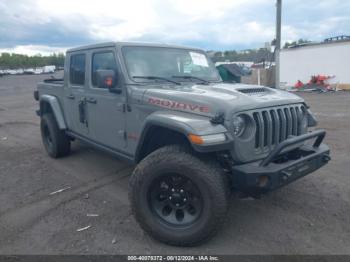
239,125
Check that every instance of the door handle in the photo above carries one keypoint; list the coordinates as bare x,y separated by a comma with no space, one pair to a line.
82,111
70,96
91,100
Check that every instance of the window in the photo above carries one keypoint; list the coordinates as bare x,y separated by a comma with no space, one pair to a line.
168,63
77,69
104,61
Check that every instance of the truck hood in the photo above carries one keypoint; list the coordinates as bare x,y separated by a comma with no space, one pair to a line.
217,97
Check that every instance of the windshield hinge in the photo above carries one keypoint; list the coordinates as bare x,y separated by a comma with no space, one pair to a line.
219,118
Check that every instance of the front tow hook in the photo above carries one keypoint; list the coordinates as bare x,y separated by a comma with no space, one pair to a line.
326,158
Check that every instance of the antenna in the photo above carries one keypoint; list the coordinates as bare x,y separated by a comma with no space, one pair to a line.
278,42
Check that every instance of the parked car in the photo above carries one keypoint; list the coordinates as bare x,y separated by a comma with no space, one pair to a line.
29,71
38,71
49,69
192,137
11,72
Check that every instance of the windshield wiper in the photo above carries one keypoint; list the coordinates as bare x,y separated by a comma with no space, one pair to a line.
158,78
192,77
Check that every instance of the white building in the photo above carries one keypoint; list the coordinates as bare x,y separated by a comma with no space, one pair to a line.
330,58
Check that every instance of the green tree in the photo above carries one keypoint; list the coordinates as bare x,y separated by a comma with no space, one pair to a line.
294,43
11,61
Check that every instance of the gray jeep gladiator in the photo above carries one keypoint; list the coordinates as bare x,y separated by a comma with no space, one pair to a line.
192,137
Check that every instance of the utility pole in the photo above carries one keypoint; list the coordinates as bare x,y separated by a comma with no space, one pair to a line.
278,41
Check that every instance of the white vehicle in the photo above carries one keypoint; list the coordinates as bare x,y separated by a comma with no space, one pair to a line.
12,72
38,71
49,69
29,71
19,71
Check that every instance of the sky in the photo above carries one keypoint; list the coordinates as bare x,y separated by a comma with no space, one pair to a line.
44,26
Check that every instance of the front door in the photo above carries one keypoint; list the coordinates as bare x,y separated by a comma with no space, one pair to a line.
106,116
74,94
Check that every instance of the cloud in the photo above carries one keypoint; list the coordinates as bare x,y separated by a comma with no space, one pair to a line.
210,24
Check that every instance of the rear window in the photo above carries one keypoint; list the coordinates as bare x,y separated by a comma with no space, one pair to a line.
77,69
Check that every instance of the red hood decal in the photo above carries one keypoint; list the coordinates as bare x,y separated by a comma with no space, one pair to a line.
178,105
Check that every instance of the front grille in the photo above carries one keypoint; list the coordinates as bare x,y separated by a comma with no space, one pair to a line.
276,125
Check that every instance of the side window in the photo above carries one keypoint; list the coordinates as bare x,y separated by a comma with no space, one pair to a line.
105,61
77,69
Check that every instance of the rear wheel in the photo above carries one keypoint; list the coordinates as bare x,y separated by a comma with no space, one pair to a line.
177,197
56,142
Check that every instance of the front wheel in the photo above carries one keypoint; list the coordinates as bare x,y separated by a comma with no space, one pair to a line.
177,197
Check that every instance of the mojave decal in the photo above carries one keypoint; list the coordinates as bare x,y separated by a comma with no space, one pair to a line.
178,105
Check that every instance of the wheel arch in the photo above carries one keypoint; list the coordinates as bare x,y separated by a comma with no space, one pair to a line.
166,127
50,104
156,135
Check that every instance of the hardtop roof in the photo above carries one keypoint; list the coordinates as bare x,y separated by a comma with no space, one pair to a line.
120,44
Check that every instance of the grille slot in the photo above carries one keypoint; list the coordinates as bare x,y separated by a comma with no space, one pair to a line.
276,125
257,132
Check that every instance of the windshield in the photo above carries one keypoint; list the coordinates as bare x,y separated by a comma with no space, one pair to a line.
157,63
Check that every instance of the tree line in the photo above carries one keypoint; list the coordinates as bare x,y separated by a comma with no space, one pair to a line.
11,61
254,55
295,43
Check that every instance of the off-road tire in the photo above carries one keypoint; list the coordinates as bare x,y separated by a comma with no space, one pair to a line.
58,143
206,174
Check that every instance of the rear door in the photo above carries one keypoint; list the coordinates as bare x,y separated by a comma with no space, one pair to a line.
74,93
106,116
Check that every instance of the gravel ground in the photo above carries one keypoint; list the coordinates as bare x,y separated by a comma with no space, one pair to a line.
310,216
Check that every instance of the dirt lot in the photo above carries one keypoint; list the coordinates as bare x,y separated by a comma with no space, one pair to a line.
310,216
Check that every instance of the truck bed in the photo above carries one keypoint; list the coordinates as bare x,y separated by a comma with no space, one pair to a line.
53,87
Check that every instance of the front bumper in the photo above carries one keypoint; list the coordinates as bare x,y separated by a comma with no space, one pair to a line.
279,169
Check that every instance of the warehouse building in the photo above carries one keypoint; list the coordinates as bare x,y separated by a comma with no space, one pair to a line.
330,58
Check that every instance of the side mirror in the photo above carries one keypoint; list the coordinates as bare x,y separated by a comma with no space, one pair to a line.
107,79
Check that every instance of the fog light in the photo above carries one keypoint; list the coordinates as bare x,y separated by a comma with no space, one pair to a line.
263,181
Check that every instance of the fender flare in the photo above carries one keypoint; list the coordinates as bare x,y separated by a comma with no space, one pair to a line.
180,122
56,109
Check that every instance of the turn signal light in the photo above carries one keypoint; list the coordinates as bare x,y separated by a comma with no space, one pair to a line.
207,139
196,139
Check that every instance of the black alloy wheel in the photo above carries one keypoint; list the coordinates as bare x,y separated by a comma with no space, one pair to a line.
175,199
